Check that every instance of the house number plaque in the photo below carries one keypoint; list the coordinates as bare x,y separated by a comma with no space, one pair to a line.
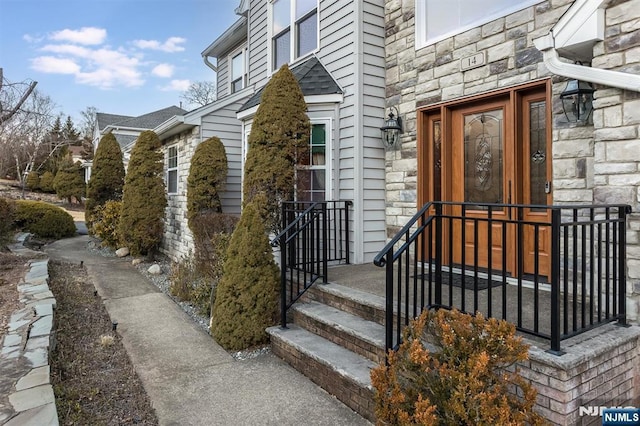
471,62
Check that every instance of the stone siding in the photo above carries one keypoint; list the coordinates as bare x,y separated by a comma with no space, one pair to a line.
592,162
177,242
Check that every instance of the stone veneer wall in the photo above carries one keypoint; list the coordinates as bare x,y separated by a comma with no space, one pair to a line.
178,239
593,163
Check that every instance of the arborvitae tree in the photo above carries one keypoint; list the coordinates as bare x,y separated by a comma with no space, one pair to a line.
247,296
107,177
46,182
33,181
143,201
69,182
279,137
207,179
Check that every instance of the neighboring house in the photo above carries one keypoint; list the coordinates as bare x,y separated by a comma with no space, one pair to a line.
336,51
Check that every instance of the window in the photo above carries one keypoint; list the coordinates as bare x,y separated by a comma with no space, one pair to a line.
437,19
294,26
312,173
172,169
237,71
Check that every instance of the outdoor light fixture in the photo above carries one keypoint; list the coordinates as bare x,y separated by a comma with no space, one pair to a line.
577,101
392,129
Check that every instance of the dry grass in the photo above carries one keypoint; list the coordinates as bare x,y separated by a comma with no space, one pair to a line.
93,379
12,270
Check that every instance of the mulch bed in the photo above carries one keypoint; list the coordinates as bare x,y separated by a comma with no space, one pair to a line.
93,379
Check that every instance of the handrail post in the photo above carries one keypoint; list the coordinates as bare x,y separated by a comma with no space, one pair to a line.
283,281
346,230
438,271
388,320
555,281
622,260
325,243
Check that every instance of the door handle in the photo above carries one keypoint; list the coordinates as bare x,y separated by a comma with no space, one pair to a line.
547,187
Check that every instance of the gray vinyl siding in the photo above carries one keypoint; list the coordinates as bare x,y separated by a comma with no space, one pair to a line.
224,124
222,77
352,50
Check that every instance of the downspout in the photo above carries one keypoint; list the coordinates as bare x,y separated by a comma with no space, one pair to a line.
621,80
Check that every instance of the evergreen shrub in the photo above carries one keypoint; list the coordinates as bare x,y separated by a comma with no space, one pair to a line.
279,138
246,301
105,225
142,218
46,182
107,177
207,179
33,181
44,220
452,369
7,213
69,182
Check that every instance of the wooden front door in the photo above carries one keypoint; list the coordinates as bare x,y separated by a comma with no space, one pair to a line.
500,154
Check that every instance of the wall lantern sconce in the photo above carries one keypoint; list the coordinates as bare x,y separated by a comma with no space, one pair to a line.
577,101
392,129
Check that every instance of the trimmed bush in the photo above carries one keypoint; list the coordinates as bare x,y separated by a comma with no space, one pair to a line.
44,220
105,225
69,182
7,213
143,201
107,177
279,137
464,381
33,181
207,179
46,182
247,296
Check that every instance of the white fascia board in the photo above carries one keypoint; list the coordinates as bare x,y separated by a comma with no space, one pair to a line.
111,127
334,98
583,21
195,116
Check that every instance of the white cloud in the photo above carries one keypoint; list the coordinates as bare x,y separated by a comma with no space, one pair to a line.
163,70
176,86
68,49
85,35
52,65
31,39
171,45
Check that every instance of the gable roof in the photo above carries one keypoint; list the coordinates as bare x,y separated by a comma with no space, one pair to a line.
151,120
104,119
313,78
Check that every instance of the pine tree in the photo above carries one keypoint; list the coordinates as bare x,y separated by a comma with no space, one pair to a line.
207,179
107,177
69,132
279,137
69,182
46,182
33,181
143,201
247,296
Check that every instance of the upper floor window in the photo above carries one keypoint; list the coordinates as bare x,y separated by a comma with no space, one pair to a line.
238,71
294,31
172,169
437,20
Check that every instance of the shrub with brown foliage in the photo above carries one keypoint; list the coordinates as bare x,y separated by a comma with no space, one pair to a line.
105,222
463,381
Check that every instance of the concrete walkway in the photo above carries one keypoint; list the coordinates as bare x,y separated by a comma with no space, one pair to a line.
188,377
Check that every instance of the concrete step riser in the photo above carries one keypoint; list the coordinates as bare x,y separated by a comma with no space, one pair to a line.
359,399
346,340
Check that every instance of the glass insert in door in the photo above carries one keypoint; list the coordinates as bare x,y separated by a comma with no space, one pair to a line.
538,154
483,158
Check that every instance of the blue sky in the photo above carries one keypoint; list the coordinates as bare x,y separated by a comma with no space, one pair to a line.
125,57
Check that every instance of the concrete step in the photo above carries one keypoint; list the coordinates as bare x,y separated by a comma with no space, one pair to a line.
356,302
339,371
352,332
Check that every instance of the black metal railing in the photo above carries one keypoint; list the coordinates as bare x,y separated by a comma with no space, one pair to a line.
553,278
314,234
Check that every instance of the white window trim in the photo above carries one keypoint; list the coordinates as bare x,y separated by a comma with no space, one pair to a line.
421,25
171,169
245,74
292,42
328,163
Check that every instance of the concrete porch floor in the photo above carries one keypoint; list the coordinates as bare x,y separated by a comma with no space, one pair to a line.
371,279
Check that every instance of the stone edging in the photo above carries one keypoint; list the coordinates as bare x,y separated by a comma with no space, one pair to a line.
24,357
